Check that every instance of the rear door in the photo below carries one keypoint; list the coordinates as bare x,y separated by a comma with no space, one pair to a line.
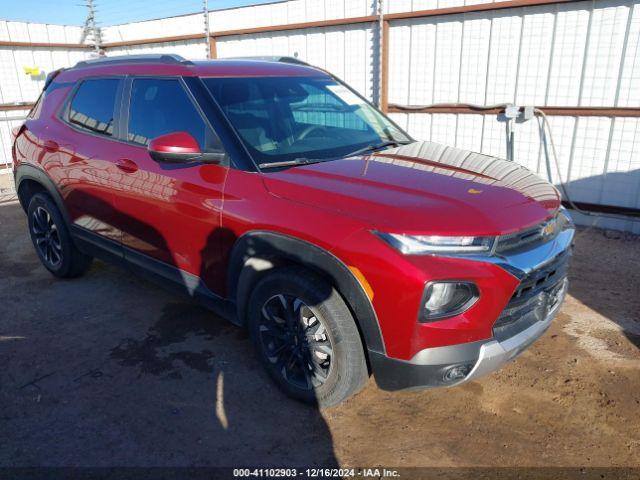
173,210
83,147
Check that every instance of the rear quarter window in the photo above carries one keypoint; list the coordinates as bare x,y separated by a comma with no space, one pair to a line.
34,114
92,107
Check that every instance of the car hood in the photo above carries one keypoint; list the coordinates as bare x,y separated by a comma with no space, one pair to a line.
423,187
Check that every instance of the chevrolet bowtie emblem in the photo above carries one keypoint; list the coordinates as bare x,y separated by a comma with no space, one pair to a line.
473,191
548,229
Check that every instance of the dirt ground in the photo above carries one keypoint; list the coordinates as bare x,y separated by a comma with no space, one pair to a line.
111,370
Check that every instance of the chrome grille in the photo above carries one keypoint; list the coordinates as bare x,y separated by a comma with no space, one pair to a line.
529,237
533,298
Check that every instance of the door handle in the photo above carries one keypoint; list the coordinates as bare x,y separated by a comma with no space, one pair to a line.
51,146
127,165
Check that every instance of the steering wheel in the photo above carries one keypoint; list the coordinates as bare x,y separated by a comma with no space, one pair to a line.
307,131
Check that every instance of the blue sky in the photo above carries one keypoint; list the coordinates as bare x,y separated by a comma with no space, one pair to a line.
109,12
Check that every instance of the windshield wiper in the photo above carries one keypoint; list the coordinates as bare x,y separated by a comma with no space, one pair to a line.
375,147
308,161
291,163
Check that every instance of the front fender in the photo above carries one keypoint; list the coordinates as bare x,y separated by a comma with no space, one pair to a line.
273,247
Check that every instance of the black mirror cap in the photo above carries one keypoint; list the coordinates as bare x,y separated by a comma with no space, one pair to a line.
207,157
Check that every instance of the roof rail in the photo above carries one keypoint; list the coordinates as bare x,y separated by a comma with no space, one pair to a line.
148,58
272,58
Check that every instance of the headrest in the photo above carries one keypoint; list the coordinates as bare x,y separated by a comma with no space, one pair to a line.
233,93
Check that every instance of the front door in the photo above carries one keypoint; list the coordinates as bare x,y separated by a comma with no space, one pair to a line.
172,211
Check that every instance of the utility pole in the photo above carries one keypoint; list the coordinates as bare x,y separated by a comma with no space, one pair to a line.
91,29
381,40
205,11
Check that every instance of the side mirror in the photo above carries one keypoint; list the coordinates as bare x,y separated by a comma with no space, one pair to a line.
180,147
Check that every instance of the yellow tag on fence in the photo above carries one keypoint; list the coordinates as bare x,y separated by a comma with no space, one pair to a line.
32,71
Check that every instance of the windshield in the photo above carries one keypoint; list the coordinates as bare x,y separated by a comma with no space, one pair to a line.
281,119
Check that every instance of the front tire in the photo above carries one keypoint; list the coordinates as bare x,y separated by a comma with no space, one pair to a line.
306,337
52,241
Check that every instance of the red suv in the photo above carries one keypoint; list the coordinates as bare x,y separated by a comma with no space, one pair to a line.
283,200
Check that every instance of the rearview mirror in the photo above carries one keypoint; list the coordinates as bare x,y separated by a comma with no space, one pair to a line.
180,147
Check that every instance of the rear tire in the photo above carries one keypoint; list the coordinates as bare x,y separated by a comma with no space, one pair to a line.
52,241
306,337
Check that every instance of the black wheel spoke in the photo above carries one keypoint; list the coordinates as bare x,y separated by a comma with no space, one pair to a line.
290,314
295,341
273,332
308,376
57,247
287,366
273,310
281,350
38,225
44,220
275,356
55,257
40,220
46,236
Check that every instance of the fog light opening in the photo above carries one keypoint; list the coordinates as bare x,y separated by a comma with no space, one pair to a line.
455,373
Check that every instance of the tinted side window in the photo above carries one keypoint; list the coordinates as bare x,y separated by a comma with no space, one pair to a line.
93,105
161,106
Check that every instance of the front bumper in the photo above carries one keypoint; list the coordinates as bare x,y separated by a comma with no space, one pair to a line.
455,364
494,354
429,368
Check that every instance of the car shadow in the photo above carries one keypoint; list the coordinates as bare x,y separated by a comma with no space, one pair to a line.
122,373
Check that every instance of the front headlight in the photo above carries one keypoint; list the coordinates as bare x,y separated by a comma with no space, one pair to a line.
564,220
432,244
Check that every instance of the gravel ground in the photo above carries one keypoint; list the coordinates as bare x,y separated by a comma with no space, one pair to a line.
7,188
110,370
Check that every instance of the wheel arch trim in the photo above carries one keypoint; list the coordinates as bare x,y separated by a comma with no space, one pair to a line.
267,245
30,172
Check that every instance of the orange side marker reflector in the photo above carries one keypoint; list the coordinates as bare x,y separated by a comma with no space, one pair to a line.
363,281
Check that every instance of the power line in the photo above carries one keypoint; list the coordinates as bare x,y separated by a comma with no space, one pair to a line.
138,11
143,5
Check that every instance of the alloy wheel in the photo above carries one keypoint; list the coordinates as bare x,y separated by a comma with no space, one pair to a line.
295,341
46,237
